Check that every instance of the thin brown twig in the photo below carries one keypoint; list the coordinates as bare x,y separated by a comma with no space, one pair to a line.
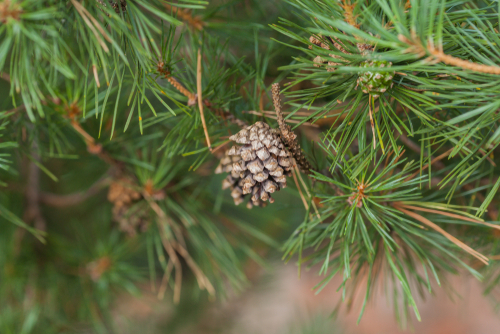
88,138
465,64
93,147
395,162
285,131
56,200
435,227
221,146
297,113
483,153
174,82
261,100
193,98
252,112
33,212
200,99
165,279
300,190
96,75
287,134
307,192
437,54
448,214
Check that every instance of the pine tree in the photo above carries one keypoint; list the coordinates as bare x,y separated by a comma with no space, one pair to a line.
377,121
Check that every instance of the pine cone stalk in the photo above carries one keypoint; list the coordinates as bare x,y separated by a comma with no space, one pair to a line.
287,134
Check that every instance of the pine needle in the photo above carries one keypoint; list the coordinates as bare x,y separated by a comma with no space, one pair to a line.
307,192
436,159
300,190
371,121
200,100
84,13
96,76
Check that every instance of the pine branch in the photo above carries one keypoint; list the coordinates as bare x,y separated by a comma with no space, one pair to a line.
267,115
33,212
438,55
174,82
56,200
349,13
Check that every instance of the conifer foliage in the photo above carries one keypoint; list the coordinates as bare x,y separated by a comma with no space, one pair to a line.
409,88
118,117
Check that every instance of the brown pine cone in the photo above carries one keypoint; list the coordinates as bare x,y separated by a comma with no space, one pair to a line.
259,165
123,197
121,192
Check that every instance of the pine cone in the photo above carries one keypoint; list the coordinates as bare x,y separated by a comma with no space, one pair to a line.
258,167
123,197
121,192
375,83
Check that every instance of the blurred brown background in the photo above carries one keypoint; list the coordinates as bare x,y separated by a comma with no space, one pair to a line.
279,302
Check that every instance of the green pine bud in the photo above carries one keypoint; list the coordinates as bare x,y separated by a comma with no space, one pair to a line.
375,83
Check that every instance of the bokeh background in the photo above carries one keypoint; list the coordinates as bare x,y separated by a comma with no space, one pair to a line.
278,303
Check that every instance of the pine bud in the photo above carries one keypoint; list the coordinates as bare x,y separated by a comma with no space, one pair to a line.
375,83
